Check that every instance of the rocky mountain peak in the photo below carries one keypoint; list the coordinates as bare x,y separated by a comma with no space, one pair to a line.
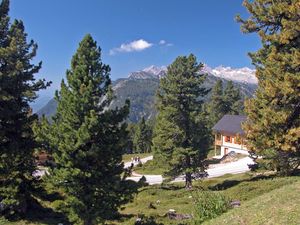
156,70
149,72
241,75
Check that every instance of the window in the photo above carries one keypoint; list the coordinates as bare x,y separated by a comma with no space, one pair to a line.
228,139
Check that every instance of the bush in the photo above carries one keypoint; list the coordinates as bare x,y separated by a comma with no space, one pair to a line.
209,205
139,165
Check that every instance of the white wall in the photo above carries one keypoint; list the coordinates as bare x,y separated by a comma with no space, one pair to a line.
237,150
232,146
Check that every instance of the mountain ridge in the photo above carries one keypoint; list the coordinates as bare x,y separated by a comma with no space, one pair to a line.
243,75
140,88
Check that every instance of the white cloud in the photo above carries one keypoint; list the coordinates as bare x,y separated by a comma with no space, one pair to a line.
134,46
162,42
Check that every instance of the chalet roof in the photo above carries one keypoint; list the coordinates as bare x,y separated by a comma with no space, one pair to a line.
230,124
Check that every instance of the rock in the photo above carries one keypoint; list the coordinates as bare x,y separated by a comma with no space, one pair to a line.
151,206
235,203
176,216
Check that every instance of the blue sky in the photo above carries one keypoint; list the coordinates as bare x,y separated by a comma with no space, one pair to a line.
161,29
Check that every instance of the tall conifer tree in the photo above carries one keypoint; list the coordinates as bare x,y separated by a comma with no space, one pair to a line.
181,136
273,127
223,101
142,138
88,140
232,99
216,104
18,88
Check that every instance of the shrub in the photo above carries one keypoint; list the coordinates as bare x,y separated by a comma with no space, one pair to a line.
139,165
209,205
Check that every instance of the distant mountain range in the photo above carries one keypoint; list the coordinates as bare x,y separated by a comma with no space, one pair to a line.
151,72
140,88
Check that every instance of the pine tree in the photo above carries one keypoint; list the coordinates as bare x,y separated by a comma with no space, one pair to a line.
88,140
180,136
232,100
216,105
131,127
18,89
41,130
273,126
142,138
223,101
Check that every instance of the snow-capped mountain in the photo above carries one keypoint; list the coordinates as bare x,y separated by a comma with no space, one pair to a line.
149,72
140,88
158,71
241,75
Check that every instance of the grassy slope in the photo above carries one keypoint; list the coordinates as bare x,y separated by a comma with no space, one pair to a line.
26,222
259,198
149,168
242,187
280,206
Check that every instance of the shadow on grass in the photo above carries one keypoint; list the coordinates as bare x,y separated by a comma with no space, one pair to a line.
120,218
296,173
36,213
262,177
165,187
225,185
146,220
141,219
231,183
41,214
171,187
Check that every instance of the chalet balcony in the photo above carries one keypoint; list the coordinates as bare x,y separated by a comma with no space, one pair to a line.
218,142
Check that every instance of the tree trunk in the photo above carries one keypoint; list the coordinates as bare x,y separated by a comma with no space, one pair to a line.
188,180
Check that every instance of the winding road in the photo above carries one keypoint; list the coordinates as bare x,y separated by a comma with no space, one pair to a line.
217,170
143,160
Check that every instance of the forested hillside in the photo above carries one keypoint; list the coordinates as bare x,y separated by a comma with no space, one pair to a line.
140,88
